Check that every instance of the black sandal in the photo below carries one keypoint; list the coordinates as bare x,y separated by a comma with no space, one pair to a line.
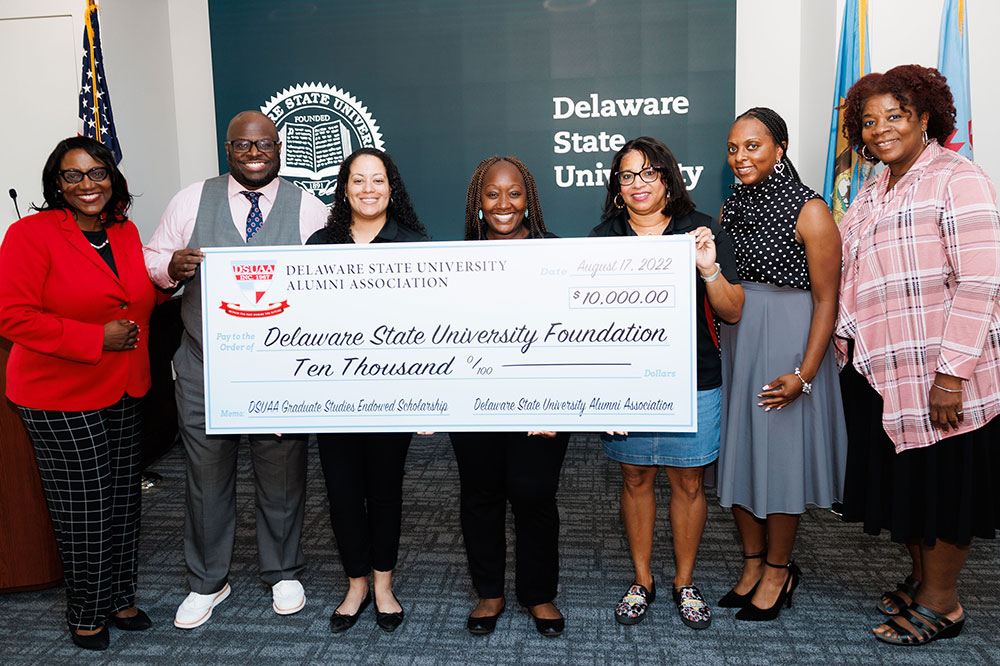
927,626
908,587
733,599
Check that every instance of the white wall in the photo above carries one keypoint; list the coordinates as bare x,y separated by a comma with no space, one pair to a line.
779,42
158,66
158,63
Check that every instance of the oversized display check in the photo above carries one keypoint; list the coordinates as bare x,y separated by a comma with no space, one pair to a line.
558,334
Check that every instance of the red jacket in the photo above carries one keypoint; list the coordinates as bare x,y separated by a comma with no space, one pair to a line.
56,294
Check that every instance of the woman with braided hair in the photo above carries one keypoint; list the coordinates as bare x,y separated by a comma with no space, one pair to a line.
500,467
783,438
364,471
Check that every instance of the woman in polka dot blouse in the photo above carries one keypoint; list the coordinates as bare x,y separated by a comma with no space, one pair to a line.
783,438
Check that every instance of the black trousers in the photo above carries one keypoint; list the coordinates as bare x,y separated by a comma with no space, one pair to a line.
89,463
364,481
500,467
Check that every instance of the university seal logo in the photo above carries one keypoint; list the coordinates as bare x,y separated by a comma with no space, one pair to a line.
253,279
319,125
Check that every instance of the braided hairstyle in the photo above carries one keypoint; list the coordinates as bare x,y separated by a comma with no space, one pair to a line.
775,124
338,225
475,229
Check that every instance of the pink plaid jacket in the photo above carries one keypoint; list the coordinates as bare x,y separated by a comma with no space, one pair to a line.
919,289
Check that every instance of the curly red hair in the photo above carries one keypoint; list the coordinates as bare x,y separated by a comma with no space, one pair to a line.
917,89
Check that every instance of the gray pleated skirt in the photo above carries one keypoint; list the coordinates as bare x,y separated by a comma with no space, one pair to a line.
778,461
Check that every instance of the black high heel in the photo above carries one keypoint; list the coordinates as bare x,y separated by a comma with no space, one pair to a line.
732,598
753,614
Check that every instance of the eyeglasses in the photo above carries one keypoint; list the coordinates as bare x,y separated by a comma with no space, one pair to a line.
96,175
243,145
648,175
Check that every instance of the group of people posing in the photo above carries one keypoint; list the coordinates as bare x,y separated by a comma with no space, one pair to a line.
902,300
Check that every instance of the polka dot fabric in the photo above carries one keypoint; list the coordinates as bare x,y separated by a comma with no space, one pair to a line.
761,221
254,218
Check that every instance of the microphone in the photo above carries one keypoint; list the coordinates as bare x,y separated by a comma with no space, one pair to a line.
13,195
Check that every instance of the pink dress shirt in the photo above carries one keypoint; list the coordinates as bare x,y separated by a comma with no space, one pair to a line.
919,289
177,223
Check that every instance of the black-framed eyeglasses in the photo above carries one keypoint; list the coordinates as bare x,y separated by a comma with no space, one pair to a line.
243,145
648,175
96,175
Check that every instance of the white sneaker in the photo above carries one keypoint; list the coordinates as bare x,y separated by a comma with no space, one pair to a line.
197,608
289,597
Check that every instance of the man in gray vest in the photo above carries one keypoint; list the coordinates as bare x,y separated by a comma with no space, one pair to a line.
250,206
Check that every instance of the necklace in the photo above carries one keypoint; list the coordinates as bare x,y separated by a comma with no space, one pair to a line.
98,247
655,230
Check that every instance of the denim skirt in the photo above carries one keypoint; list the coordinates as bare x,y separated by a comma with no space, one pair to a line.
676,449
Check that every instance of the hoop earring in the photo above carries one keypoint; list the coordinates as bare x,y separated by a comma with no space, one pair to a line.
926,140
779,167
480,213
864,153
615,201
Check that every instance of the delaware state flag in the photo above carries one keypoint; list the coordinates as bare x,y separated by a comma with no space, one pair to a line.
953,62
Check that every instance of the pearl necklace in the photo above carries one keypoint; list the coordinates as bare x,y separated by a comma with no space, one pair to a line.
98,247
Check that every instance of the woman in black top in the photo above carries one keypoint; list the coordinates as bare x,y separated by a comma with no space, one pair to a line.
647,197
364,472
500,467
782,448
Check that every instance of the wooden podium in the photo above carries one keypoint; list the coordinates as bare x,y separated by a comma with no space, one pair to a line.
28,556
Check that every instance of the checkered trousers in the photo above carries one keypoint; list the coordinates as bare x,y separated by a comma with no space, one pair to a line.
89,466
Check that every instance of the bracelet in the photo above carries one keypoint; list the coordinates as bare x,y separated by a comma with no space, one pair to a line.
714,276
945,389
807,387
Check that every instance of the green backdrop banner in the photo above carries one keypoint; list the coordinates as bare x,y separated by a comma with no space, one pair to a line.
442,84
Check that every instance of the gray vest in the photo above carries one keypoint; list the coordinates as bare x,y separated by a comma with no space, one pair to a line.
213,227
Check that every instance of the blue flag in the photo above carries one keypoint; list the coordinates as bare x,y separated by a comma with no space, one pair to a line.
96,120
953,62
844,169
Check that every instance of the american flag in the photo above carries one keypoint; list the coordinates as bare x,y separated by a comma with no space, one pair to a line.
96,120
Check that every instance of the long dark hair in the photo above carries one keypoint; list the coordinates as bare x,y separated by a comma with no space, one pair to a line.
338,225
658,155
116,210
474,226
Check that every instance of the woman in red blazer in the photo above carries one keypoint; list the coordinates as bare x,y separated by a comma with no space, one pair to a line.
75,300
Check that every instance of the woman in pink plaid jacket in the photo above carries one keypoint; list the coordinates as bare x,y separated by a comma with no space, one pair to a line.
919,333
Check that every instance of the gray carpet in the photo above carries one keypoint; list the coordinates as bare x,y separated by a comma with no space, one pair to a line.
844,571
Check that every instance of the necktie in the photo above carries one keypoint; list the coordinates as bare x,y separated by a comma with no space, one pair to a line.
254,218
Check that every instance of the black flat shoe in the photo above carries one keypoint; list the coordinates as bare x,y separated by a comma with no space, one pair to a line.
138,622
340,623
388,621
481,626
549,628
98,641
